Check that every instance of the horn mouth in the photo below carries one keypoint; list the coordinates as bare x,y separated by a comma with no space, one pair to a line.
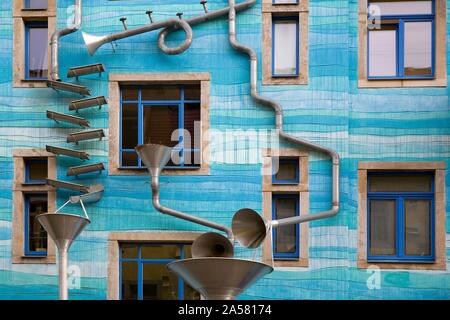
93,42
249,228
212,244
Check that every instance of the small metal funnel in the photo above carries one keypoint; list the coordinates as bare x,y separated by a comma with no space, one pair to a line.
154,156
63,229
219,278
249,228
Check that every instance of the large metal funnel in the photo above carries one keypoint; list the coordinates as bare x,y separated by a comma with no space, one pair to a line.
154,156
249,228
63,229
219,278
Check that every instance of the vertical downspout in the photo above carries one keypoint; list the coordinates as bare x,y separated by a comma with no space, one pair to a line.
335,206
54,43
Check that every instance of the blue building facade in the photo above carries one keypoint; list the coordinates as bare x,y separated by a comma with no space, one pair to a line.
384,124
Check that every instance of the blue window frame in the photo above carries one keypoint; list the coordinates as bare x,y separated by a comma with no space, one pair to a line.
286,239
35,239
144,276
36,171
285,49
402,45
36,50
36,4
151,114
400,219
287,171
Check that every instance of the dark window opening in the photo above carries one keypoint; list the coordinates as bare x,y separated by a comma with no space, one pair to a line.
286,238
35,235
36,171
144,275
161,114
285,171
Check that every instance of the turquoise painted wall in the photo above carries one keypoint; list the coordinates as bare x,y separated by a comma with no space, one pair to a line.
361,124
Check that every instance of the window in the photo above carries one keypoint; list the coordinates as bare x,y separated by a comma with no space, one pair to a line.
286,171
286,238
34,21
36,4
36,53
402,46
403,41
32,197
36,171
400,217
285,46
285,194
285,42
144,275
167,115
35,235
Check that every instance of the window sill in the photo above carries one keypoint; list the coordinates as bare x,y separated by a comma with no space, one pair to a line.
401,83
124,171
24,83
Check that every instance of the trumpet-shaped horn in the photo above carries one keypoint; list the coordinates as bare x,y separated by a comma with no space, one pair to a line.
249,228
212,244
94,42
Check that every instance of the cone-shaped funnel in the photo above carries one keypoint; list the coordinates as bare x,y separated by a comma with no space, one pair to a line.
154,156
249,228
219,278
63,228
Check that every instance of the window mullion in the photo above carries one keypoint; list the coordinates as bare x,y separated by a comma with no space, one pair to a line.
401,48
181,125
401,228
140,123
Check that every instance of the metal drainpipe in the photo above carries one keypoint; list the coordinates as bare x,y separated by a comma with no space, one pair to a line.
182,215
57,35
279,127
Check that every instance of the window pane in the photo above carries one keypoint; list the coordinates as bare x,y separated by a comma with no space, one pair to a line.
36,4
383,52
285,47
382,227
129,251
159,283
192,126
130,93
192,92
287,170
417,227
418,48
37,237
400,7
159,124
129,280
37,52
161,93
129,159
37,170
285,239
130,130
160,252
400,183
